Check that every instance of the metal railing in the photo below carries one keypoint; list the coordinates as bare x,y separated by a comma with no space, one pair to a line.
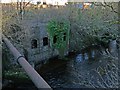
31,72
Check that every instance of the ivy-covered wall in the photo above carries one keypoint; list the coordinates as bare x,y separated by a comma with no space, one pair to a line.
58,32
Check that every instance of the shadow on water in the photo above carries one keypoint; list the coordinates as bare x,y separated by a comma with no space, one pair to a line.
78,70
92,67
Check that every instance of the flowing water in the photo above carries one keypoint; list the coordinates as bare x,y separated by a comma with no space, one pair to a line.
93,67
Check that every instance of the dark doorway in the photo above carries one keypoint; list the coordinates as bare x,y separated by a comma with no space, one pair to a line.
55,39
64,37
45,41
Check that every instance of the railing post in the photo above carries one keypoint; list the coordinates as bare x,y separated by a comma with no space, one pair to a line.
34,76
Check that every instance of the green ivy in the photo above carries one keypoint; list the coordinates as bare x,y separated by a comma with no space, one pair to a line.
58,29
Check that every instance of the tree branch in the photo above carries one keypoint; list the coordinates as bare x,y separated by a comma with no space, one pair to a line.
106,5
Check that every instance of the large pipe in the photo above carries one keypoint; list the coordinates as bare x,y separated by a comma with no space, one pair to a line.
34,76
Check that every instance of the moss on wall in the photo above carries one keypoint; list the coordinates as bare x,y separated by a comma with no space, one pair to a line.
59,35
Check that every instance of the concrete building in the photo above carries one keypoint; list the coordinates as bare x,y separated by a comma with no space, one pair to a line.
38,47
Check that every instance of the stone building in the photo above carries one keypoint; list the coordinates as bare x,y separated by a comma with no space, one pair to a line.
36,45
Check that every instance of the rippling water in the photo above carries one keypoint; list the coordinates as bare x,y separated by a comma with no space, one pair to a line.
89,69
92,67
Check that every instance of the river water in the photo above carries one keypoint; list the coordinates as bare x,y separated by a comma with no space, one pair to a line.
93,67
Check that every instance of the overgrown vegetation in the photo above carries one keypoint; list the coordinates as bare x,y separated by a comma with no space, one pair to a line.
86,27
94,26
59,35
15,74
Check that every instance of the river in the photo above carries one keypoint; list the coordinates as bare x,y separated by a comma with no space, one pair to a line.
92,67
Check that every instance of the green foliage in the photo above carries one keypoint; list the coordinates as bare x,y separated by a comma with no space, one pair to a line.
15,72
58,30
5,59
92,26
18,74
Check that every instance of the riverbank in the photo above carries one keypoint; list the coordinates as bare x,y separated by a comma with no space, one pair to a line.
73,71
78,71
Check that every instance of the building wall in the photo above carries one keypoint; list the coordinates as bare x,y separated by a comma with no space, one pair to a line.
35,27
41,53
